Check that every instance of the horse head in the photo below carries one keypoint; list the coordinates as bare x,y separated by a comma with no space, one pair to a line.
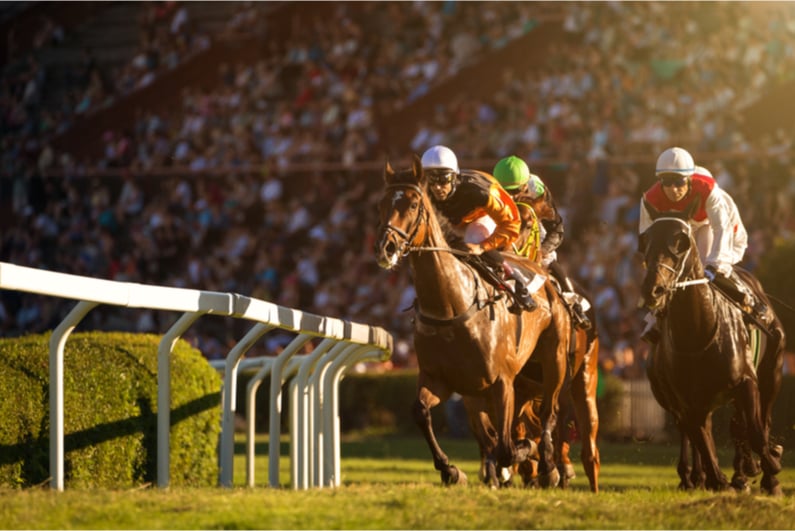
403,214
669,255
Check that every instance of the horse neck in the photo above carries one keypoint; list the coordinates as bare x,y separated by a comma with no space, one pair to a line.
443,284
692,309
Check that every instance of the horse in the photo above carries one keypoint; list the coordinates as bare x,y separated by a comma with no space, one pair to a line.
706,357
579,397
466,338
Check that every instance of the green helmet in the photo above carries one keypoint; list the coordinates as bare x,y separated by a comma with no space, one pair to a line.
511,172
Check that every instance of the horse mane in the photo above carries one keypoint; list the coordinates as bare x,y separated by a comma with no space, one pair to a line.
452,238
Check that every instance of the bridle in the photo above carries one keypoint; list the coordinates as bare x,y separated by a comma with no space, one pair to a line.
405,246
678,272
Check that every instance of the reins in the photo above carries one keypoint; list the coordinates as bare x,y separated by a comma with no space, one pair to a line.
441,249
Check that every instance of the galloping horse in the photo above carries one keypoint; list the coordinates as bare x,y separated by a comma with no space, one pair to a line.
467,341
580,396
707,357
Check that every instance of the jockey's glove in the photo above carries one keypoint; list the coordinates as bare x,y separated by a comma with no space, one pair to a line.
710,272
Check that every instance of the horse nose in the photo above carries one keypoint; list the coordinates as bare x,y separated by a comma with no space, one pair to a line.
390,248
657,291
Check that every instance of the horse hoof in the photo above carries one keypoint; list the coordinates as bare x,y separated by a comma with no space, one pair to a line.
740,486
505,477
453,476
751,467
770,485
525,449
549,480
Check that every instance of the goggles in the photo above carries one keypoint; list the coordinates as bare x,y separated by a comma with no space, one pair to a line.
673,180
440,176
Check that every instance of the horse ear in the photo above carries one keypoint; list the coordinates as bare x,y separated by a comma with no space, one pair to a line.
416,167
653,212
388,171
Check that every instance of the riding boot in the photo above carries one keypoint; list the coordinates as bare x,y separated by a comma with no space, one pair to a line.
739,293
651,334
523,297
580,319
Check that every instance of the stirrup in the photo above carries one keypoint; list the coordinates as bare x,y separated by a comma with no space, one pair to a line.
760,312
522,301
580,319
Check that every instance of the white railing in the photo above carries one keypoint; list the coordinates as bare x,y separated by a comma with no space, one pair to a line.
358,342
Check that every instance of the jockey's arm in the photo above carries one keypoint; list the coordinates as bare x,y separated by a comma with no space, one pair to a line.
645,218
554,236
501,208
719,208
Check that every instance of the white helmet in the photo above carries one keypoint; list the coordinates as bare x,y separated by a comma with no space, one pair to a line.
676,160
701,170
440,157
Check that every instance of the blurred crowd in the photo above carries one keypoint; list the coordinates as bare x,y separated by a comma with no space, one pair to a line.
632,79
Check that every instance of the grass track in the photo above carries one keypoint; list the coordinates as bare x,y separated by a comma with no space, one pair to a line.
389,483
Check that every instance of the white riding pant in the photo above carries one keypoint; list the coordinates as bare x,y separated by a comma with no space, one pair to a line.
479,230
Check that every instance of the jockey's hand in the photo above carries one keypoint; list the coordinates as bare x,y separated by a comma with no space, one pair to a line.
710,272
474,249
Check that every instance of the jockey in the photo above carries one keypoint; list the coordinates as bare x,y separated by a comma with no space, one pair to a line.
477,205
534,201
719,232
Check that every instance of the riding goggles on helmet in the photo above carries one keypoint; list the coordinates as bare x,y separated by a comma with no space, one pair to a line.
673,180
440,176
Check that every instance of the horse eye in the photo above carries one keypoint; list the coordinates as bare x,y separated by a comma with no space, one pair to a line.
415,205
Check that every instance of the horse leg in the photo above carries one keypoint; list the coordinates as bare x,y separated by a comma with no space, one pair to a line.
583,392
683,468
562,444
486,436
747,398
554,372
697,475
744,463
699,427
526,426
769,374
426,399
501,397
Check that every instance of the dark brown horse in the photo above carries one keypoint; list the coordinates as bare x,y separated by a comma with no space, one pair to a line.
706,357
467,341
579,398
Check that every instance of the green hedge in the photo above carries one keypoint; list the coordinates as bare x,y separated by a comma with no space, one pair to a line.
110,411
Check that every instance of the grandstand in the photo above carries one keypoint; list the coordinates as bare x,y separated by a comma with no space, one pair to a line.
238,145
